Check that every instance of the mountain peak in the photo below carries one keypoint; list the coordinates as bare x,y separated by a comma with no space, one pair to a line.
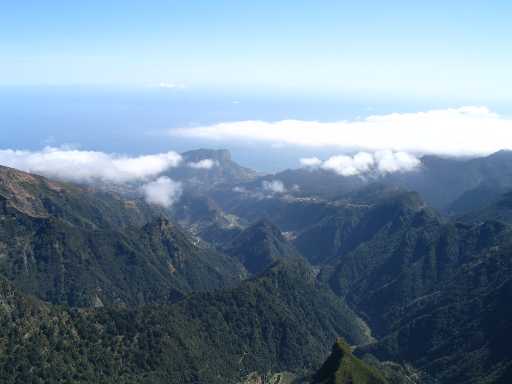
202,169
266,227
220,155
342,367
260,245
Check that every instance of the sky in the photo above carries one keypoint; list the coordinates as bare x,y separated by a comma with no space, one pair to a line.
147,77
432,49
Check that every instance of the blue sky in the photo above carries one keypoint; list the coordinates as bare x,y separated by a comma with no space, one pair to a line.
120,76
449,50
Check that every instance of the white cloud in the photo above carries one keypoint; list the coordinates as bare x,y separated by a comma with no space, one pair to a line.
453,131
163,191
87,166
203,164
275,186
311,162
389,162
348,165
362,163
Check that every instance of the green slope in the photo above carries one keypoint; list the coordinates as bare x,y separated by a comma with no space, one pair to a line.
69,245
259,246
278,322
458,333
38,197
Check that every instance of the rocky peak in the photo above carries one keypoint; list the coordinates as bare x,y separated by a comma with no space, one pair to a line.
220,155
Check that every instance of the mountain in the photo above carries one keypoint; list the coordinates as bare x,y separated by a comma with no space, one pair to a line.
405,251
99,287
353,220
498,209
456,331
279,322
38,197
450,185
398,264
317,182
289,213
475,199
342,367
259,246
431,290
446,182
205,168
68,245
203,217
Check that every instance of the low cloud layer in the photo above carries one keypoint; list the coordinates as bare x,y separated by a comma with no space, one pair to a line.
163,191
274,186
88,166
455,131
380,162
203,164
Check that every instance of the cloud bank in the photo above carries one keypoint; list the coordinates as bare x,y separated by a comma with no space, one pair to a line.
163,191
88,166
468,130
381,162
203,164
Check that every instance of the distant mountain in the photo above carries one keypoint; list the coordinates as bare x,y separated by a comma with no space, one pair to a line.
206,168
475,199
317,182
444,183
497,209
352,221
289,213
68,245
203,217
279,322
450,185
342,367
259,246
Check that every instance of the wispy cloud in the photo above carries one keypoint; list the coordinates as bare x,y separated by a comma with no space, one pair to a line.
88,166
163,191
454,131
380,162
